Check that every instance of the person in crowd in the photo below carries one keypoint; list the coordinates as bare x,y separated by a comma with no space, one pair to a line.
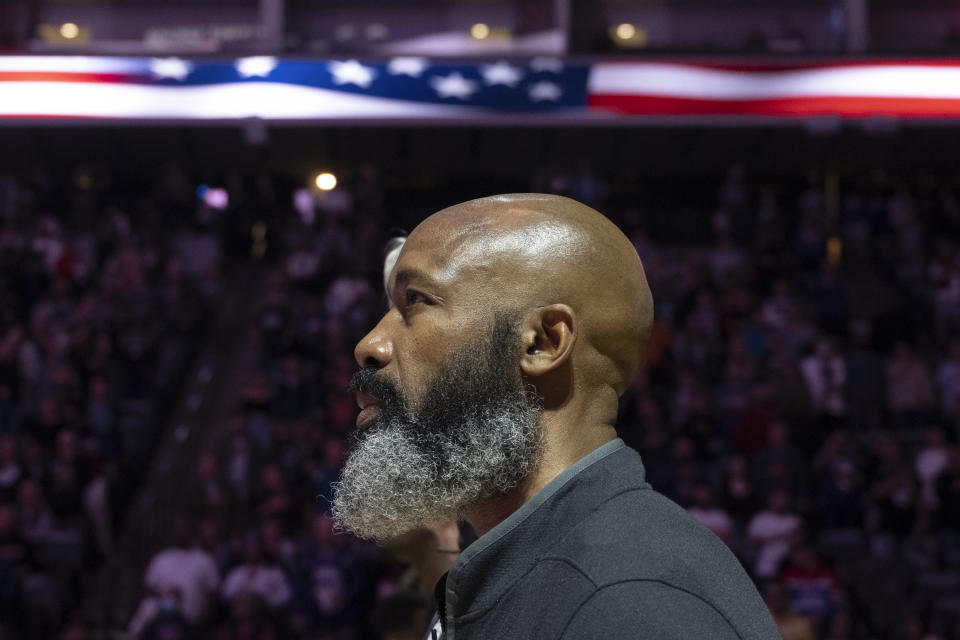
790,625
327,578
257,575
774,532
712,516
180,577
909,390
249,620
930,462
893,487
825,373
813,587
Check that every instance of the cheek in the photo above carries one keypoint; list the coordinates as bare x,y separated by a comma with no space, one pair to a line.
418,356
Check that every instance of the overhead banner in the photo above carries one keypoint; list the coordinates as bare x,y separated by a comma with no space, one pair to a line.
273,89
431,91
905,89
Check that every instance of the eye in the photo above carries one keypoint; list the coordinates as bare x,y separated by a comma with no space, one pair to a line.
412,296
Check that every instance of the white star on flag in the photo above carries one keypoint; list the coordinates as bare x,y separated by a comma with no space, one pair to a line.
501,73
454,86
170,68
413,67
352,72
547,64
256,66
544,90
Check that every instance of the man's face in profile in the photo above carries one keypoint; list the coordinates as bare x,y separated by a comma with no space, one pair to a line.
446,419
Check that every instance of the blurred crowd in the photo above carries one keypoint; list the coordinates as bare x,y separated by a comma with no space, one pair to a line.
97,321
801,399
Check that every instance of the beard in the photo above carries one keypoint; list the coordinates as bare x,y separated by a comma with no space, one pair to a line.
474,435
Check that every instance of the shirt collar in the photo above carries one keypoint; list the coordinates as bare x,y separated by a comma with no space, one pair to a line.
459,585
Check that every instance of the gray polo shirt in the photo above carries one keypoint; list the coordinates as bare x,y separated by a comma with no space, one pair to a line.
597,553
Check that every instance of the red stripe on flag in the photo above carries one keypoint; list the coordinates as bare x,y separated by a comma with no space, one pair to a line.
851,107
66,76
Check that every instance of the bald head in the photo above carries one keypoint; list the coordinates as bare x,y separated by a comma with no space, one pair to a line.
491,299
521,252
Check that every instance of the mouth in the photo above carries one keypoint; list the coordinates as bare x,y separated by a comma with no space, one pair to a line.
370,407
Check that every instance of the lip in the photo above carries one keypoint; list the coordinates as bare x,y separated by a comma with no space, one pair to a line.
367,415
369,407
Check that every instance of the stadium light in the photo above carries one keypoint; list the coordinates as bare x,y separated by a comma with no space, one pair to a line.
69,30
480,31
626,31
325,181
628,36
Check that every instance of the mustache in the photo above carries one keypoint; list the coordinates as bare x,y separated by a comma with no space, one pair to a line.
369,380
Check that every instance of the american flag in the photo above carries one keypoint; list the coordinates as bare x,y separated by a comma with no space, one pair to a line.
498,91
270,88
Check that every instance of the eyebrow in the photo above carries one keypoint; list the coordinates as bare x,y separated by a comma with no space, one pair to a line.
405,275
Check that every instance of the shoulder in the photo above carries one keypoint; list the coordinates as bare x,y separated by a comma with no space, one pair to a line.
640,534
647,609
647,561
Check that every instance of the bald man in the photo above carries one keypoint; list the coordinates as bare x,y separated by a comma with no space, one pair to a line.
488,392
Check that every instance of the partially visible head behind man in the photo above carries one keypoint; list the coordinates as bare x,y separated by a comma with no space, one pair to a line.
517,321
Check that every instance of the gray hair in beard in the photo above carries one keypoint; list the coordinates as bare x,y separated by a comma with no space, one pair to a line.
475,434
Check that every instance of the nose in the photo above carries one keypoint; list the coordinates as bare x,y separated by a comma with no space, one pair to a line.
375,349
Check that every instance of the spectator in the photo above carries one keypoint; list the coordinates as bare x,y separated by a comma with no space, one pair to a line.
841,627
865,373
778,465
179,577
168,622
893,488
825,374
930,462
327,577
945,276
211,497
738,495
839,500
678,474
258,576
909,388
35,518
710,515
13,547
790,625
774,532
249,620
814,589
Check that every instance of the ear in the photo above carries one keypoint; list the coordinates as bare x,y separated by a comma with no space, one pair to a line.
548,336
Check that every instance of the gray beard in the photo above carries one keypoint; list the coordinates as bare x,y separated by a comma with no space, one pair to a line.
392,484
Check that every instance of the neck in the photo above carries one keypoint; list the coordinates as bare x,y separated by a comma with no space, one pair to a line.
431,559
564,443
430,567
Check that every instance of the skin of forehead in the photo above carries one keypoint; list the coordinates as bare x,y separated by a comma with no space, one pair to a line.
528,250
501,231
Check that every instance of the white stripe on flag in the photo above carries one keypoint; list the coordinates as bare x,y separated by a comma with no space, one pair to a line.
238,100
74,64
685,81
